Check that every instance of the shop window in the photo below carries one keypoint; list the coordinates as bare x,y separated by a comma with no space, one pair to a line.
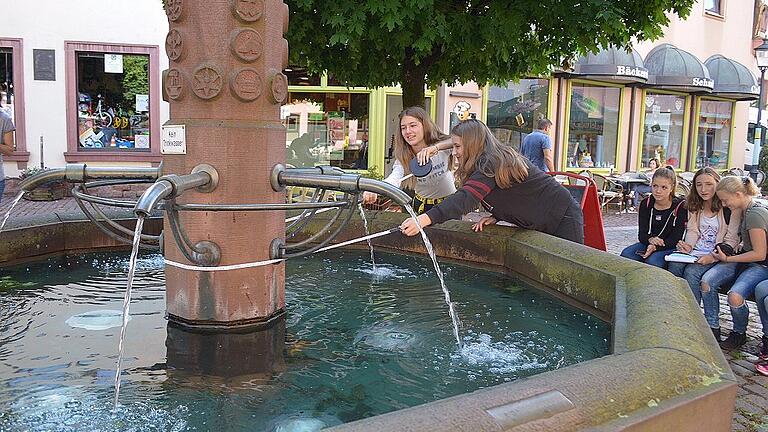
299,76
714,135
113,101
593,126
714,6
6,82
514,110
663,128
327,129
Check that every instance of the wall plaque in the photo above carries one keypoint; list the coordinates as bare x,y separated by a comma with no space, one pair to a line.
44,64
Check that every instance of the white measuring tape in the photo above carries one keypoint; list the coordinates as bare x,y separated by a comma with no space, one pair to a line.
274,261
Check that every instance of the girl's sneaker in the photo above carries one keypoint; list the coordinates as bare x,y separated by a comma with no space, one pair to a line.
762,368
764,349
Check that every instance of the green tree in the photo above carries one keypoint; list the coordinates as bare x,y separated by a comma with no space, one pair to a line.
135,78
376,43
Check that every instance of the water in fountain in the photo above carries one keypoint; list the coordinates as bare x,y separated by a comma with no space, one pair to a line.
370,245
8,213
127,303
349,353
431,252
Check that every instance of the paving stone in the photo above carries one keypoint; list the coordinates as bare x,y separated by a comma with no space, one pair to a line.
758,389
758,401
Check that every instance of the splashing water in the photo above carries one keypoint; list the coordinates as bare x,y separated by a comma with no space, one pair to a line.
370,245
431,252
8,214
127,302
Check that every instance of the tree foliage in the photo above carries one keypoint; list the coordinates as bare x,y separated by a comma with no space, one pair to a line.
376,43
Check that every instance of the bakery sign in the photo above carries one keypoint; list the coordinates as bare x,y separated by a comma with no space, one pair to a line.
632,71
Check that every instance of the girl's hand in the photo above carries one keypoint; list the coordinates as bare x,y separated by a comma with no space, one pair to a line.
649,250
487,220
369,197
424,155
656,241
706,259
409,227
684,247
720,255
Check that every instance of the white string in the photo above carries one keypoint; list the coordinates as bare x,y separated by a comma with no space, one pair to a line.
274,261
291,219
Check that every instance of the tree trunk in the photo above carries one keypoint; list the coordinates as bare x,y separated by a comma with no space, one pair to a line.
413,86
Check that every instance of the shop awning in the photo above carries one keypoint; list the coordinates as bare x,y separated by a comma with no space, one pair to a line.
672,68
613,65
732,79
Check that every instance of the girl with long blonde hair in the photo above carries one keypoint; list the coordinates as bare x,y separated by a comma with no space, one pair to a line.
507,185
420,139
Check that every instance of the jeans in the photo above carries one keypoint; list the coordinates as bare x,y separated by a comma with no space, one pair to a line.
656,259
693,273
745,286
761,298
2,188
639,191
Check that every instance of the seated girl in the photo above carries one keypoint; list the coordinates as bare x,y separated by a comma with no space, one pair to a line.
662,217
709,224
506,184
737,193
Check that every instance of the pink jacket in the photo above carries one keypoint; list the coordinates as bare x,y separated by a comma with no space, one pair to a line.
728,234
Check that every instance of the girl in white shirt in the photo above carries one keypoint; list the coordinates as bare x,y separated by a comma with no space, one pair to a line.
420,138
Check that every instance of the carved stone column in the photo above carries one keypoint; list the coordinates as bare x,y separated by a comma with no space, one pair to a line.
225,84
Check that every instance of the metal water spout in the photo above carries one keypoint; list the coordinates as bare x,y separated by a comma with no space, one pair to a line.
334,179
203,177
80,173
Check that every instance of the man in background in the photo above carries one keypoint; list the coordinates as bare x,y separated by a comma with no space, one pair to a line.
537,146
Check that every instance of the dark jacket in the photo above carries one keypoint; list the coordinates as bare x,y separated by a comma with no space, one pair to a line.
668,225
538,202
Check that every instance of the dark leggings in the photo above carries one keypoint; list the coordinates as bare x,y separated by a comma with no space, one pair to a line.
571,225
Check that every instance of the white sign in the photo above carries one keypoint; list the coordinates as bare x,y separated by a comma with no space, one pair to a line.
174,140
142,103
142,141
113,63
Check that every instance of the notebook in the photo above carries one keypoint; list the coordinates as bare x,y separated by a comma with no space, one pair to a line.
681,258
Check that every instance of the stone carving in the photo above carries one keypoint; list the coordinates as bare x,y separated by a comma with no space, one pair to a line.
206,82
248,10
278,85
286,15
174,45
174,8
246,44
174,84
246,84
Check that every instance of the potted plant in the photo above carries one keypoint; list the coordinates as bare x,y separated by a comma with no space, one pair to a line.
51,191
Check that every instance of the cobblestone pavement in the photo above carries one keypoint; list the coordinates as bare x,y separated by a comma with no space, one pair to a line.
620,231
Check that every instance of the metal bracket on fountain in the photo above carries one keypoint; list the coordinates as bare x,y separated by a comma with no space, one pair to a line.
85,178
324,178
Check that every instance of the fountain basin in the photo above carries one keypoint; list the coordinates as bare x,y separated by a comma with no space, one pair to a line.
665,372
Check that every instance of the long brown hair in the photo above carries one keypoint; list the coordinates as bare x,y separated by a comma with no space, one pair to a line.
484,153
404,152
695,202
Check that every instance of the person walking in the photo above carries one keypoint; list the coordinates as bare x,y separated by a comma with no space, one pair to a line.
537,147
507,185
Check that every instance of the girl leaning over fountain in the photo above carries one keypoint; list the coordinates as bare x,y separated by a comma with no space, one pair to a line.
749,264
709,224
506,185
420,138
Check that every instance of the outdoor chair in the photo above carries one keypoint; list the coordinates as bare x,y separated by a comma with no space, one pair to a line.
609,192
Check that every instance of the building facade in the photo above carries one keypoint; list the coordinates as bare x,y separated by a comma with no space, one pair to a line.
90,93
